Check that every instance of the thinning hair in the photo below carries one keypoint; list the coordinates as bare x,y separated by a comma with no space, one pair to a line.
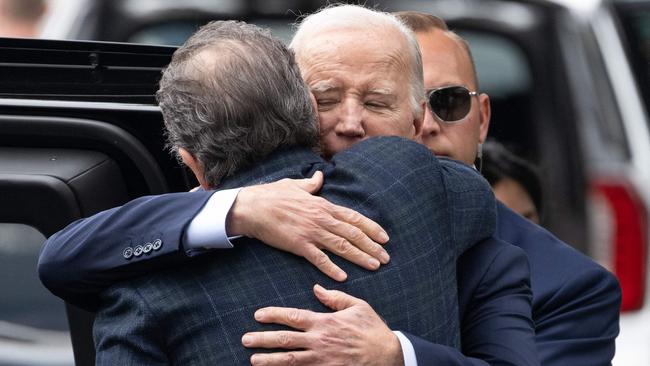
419,22
233,94
343,16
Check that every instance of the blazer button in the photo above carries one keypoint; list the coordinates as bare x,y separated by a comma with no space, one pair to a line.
127,253
137,251
157,244
147,248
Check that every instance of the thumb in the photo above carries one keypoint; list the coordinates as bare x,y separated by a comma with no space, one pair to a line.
334,299
313,184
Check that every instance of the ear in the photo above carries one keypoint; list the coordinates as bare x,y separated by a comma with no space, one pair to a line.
195,166
486,113
418,120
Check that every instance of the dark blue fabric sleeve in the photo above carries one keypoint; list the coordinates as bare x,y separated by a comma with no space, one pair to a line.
580,324
576,302
87,256
496,326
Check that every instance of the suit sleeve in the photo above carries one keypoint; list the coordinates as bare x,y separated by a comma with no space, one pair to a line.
91,254
579,324
576,303
126,331
496,326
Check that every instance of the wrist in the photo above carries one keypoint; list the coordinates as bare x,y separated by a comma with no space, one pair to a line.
237,218
394,354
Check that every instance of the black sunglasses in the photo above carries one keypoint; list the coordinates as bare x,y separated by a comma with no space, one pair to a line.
450,103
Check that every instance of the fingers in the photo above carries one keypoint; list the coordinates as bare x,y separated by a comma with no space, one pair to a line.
336,300
319,259
311,185
276,339
295,221
367,226
283,359
352,244
292,317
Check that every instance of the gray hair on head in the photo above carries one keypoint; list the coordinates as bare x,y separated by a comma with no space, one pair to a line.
360,17
233,94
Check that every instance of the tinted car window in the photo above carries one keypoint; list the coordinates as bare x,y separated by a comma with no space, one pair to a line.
25,300
33,324
169,34
505,75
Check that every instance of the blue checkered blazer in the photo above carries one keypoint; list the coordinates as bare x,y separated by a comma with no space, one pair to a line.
196,314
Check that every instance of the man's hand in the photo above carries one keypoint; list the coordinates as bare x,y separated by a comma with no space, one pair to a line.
353,335
286,215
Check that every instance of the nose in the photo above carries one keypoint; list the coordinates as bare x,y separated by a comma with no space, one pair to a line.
350,122
430,126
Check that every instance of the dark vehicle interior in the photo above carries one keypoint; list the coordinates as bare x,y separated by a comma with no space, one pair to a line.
77,158
80,129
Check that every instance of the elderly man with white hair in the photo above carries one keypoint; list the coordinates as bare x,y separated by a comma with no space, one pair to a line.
364,70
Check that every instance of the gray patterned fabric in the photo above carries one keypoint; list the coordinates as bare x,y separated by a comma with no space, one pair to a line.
433,211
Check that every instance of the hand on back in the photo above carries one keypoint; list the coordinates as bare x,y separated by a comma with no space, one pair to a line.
286,215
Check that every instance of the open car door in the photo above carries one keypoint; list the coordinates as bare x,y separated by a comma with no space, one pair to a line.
80,132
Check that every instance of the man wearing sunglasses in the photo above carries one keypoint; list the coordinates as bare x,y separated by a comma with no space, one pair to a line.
480,270
575,301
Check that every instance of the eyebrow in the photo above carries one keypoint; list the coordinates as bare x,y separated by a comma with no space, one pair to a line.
323,86
381,91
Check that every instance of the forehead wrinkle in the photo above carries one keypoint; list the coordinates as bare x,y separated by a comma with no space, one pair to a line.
400,61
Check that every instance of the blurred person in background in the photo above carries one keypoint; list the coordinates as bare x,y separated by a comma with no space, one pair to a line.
21,18
515,181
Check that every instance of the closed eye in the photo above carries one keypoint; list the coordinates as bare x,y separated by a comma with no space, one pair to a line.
375,104
324,104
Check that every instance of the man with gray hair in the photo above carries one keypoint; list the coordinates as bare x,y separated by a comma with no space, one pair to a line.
575,301
364,69
237,112
365,76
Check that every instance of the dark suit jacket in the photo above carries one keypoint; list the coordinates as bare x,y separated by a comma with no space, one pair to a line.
86,257
196,314
575,301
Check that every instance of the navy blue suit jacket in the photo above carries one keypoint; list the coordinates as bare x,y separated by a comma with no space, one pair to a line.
576,302
72,243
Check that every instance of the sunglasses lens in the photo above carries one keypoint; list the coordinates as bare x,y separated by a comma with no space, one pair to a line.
450,104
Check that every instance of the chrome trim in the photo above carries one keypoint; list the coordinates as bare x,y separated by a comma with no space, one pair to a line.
628,97
40,103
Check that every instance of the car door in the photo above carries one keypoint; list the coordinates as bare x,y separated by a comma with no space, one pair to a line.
80,132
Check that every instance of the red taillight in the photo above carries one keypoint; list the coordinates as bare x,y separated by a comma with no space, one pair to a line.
619,218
